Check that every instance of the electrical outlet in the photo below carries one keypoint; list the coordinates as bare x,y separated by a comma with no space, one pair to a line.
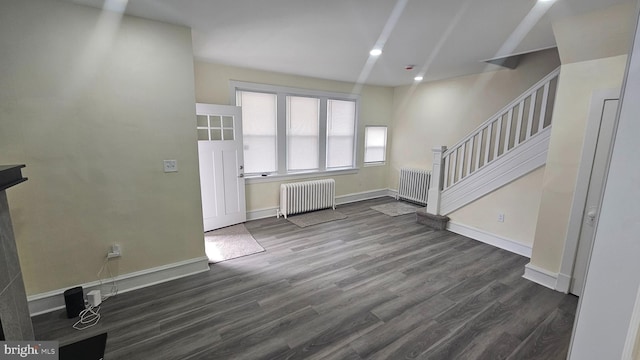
170,166
501,217
115,252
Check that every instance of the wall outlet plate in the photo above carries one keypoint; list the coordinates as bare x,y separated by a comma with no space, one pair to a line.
500,217
170,166
115,252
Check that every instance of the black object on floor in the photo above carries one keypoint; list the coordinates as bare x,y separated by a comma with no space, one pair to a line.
74,301
88,349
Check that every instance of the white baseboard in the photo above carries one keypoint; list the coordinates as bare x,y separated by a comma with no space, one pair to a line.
540,276
262,213
54,300
340,200
489,238
365,195
563,283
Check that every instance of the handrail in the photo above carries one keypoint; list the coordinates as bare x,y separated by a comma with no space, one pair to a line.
505,109
492,139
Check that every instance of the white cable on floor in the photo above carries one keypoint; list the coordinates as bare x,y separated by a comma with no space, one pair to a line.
88,318
91,315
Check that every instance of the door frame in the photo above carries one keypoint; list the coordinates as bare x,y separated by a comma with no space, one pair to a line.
572,238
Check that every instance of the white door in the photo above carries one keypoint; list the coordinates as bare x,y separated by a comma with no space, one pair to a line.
596,183
221,165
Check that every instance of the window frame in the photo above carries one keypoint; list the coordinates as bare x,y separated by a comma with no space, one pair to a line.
386,142
281,93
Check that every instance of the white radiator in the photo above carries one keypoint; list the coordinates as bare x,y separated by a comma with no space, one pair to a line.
307,196
414,185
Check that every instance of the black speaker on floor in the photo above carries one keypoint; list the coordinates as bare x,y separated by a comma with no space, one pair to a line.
74,301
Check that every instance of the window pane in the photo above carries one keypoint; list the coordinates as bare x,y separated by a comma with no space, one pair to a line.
227,121
302,133
216,134
202,121
341,121
227,134
203,134
375,144
259,131
215,121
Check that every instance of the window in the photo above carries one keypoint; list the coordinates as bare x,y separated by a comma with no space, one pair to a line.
375,144
215,128
341,117
259,131
303,115
288,131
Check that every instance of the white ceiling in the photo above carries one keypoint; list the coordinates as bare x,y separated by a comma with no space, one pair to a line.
331,39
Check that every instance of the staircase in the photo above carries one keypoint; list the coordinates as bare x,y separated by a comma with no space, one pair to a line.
508,145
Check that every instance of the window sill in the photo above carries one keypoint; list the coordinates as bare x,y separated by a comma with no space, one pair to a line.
382,163
256,179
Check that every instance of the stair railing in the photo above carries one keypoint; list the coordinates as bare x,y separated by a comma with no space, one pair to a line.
513,125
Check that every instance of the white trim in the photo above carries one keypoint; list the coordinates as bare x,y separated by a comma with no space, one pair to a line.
235,85
579,202
521,53
563,283
342,199
489,238
540,276
528,156
54,300
296,176
365,195
262,213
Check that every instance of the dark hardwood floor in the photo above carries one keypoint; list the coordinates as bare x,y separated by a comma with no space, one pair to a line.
367,287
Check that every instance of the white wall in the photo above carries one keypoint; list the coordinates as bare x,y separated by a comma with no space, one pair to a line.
613,278
92,105
598,65
518,201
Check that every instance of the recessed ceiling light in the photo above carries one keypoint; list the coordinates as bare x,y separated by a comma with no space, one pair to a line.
375,52
546,0
418,78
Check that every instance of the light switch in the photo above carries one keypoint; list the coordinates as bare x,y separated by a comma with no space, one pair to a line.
170,166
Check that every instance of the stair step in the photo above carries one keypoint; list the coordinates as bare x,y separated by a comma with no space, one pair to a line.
437,222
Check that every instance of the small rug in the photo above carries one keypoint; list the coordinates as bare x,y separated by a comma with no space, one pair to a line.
229,243
396,208
316,217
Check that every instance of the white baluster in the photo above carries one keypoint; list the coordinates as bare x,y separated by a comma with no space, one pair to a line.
462,151
479,150
496,146
469,155
507,136
532,108
543,107
454,166
516,139
446,182
488,144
